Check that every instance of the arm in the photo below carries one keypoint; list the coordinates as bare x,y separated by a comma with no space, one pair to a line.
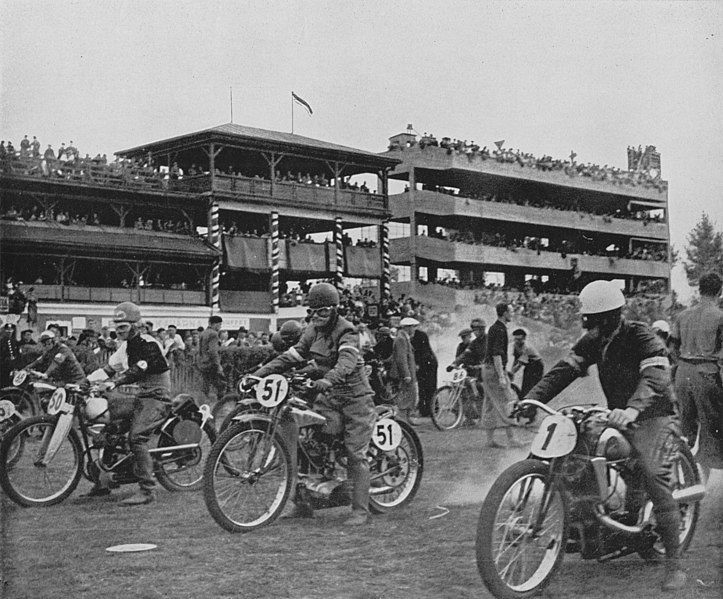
347,359
291,357
150,360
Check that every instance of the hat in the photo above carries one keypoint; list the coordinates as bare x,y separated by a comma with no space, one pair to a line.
384,331
477,323
47,335
90,332
464,332
408,322
662,326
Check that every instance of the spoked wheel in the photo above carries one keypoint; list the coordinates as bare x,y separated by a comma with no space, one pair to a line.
222,408
685,474
23,475
238,409
248,477
447,410
23,406
396,474
522,532
182,469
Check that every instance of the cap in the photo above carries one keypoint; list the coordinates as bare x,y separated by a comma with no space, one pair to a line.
408,322
662,326
384,331
464,332
477,322
47,335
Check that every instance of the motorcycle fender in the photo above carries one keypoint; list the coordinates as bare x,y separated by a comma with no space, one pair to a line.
253,417
60,432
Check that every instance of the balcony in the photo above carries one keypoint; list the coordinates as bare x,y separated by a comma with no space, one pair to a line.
448,253
115,295
435,158
440,204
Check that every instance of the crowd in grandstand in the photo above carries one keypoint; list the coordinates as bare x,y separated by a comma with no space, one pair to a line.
571,168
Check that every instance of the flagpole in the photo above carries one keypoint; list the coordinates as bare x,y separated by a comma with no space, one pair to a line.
292,112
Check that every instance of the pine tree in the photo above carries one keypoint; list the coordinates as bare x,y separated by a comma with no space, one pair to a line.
704,250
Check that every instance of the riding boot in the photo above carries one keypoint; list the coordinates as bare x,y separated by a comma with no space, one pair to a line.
302,506
360,477
669,530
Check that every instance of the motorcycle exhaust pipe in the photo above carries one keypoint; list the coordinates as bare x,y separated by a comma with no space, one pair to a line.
173,448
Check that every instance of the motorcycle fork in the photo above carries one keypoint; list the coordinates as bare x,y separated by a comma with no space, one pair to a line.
546,497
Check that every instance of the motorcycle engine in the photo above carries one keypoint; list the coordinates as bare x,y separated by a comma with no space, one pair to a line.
603,441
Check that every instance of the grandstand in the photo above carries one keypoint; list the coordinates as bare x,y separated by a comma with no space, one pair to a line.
215,221
471,219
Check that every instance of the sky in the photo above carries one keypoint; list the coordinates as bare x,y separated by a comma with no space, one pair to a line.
547,77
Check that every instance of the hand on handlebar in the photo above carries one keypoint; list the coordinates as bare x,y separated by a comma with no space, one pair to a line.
450,368
527,412
321,385
622,419
106,386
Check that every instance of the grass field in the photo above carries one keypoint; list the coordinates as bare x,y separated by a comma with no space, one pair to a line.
59,552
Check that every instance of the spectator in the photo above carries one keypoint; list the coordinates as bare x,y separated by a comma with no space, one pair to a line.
209,359
427,366
9,353
403,369
528,358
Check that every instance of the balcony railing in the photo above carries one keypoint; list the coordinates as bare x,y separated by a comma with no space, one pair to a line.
66,293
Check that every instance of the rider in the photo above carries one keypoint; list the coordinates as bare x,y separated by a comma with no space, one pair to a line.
345,395
634,373
148,369
472,358
58,362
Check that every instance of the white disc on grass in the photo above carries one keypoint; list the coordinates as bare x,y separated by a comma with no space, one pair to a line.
131,547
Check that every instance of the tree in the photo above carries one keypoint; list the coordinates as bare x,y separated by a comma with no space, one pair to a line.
704,250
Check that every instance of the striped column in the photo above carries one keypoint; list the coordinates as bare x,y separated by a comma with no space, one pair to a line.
338,233
214,237
275,261
386,265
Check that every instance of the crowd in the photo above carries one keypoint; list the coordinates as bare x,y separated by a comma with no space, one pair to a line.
571,168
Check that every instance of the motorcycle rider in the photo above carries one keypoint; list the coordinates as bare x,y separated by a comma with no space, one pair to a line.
634,373
345,397
58,362
148,369
472,358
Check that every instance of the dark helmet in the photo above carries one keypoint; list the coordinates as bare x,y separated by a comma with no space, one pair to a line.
278,343
127,312
322,295
290,331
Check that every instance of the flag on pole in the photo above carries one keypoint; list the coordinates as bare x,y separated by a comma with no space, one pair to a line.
303,102
500,143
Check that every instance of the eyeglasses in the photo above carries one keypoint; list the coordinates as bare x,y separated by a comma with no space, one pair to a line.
321,312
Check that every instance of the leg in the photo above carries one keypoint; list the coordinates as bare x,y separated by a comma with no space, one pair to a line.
359,418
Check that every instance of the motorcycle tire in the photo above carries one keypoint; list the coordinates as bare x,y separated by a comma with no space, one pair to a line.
506,531
396,474
186,472
447,409
248,477
238,409
222,407
25,407
31,485
685,474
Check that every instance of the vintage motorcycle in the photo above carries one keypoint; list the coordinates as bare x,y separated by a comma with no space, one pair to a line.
42,458
249,474
455,398
23,399
571,495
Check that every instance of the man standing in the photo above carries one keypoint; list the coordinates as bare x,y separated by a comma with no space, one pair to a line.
403,368
173,344
9,353
698,336
209,359
426,370
498,390
527,357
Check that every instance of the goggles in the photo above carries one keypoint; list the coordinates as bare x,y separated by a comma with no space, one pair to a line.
324,312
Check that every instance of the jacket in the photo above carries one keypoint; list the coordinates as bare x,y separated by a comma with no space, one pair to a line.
633,367
59,364
146,365
403,364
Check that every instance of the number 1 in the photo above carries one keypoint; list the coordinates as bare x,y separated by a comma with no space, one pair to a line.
550,432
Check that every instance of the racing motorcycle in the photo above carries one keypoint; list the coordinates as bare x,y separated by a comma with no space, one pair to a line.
249,476
24,398
42,458
573,494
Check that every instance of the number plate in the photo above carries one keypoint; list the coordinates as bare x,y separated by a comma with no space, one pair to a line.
387,434
57,403
20,377
7,409
272,390
557,437
458,375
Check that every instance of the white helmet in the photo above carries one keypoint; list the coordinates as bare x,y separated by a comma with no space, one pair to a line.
601,296
96,409
662,326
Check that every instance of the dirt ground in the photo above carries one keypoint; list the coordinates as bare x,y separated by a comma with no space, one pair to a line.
60,551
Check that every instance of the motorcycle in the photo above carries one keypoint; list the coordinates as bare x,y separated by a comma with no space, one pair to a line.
42,458
573,494
23,399
249,476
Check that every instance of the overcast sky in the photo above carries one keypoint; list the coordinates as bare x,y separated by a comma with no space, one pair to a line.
547,77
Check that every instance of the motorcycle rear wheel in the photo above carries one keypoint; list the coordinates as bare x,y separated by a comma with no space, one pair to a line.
447,408
29,483
25,407
685,474
396,474
517,555
186,472
248,477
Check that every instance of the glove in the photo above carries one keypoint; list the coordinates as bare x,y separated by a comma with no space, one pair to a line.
527,412
108,386
248,384
321,385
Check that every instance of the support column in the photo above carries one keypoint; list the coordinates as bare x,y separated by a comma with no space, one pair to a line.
413,267
214,238
338,234
386,263
274,227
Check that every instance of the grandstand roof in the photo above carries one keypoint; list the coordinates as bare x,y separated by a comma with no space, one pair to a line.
262,139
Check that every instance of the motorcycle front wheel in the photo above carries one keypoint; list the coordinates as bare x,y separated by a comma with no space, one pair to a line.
248,477
23,476
447,410
522,531
182,469
396,474
222,408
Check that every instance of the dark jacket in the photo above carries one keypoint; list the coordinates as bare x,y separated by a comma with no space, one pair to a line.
146,365
633,367
474,354
59,364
